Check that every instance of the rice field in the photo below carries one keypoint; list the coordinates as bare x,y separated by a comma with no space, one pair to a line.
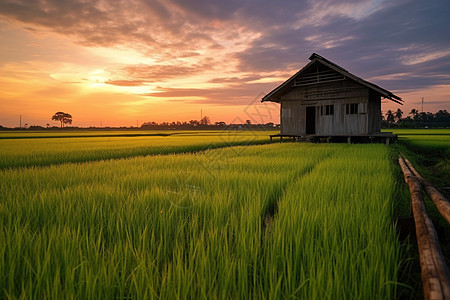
18,149
433,145
308,221
426,140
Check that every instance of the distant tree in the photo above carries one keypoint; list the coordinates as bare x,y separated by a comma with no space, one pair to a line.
442,118
205,121
48,125
390,118
441,114
398,114
194,123
62,117
248,122
414,113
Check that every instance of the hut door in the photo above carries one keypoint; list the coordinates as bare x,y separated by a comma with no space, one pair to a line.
310,120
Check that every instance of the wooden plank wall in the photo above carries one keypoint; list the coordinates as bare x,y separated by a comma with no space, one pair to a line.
339,93
374,110
293,117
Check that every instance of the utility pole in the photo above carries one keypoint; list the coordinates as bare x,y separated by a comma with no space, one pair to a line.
422,104
201,114
20,124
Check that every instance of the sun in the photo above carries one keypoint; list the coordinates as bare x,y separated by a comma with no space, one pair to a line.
97,78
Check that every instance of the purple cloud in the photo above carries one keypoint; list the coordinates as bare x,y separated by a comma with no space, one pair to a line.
372,38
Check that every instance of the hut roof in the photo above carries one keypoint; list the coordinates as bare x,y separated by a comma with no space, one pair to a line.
275,95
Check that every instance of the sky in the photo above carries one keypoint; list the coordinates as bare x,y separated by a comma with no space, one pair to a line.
125,62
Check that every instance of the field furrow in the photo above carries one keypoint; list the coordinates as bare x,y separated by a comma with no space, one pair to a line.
36,152
271,208
189,225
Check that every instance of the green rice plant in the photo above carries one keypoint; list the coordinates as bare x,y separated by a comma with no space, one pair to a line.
22,134
428,141
268,221
47,151
432,146
334,226
74,133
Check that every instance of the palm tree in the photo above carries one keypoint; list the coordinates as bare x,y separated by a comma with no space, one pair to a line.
398,114
390,118
414,112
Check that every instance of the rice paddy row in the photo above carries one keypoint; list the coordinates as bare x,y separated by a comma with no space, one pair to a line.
47,151
429,141
269,221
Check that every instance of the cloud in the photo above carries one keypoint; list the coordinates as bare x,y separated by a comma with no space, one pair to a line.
401,45
415,59
125,82
228,80
108,23
135,75
230,95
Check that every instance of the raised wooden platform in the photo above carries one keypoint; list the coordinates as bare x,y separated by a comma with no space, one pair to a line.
383,137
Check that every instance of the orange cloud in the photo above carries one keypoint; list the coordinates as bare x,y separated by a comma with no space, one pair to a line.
119,61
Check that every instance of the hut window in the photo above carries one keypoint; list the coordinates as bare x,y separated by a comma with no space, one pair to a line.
327,110
351,108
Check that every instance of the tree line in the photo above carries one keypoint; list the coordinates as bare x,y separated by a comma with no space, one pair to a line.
205,123
415,119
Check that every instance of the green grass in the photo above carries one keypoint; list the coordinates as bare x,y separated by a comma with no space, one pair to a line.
47,151
271,221
421,131
22,134
428,141
430,149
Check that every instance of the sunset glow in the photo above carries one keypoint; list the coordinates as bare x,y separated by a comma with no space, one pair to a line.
122,63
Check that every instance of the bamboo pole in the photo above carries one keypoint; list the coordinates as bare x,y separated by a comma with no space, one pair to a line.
435,277
406,171
439,200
